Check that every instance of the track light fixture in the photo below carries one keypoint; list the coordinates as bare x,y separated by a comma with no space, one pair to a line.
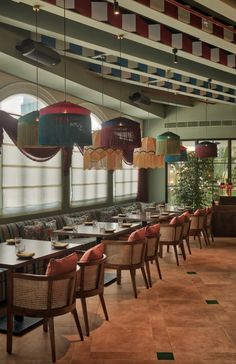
175,50
116,9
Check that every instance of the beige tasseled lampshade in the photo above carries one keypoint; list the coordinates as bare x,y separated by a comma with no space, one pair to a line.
96,157
145,156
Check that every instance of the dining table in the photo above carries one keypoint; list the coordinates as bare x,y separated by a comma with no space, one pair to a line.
100,230
41,251
144,218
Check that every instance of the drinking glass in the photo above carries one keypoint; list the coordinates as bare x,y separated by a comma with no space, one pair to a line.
20,246
120,222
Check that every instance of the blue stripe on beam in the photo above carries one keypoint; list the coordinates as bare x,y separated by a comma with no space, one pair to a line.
95,67
49,41
75,48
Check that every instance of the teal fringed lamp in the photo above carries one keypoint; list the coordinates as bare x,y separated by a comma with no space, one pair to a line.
181,157
64,124
168,144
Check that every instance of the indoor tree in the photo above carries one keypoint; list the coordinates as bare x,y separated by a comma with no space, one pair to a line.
194,182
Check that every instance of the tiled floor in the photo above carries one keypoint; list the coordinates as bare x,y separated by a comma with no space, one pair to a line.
188,318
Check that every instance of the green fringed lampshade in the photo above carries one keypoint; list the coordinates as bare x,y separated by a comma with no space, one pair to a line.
64,124
181,157
206,149
168,144
27,130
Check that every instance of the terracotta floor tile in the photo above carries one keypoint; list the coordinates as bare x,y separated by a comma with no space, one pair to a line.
172,316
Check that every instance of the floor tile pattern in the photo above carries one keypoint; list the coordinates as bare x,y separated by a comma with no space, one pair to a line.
188,317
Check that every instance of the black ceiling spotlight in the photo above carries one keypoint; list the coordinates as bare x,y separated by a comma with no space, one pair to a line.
38,52
175,51
138,98
116,9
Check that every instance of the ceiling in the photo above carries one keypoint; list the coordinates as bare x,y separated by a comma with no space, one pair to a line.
101,68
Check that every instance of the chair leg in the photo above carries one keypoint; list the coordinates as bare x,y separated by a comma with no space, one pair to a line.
158,267
176,255
118,274
205,237
148,273
188,244
9,332
181,245
199,240
85,313
52,338
103,305
132,274
45,325
144,277
161,251
76,318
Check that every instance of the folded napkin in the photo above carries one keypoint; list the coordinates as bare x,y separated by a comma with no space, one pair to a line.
25,255
10,241
68,227
59,245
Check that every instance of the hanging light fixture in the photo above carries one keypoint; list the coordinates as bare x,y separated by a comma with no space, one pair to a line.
97,157
181,157
121,132
116,8
168,143
206,148
65,123
27,125
145,156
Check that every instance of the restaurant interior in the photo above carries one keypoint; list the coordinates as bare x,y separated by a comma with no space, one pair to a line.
118,181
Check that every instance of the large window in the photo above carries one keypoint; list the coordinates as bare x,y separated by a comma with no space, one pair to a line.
87,186
27,185
125,183
223,167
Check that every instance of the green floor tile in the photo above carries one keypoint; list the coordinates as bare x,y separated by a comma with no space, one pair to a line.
212,302
191,272
165,356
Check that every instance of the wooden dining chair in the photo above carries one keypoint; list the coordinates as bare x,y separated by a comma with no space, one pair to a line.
90,282
151,254
126,255
41,296
171,235
197,228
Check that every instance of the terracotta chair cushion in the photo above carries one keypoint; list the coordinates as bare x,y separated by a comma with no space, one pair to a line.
199,212
175,221
137,235
62,266
152,230
94,253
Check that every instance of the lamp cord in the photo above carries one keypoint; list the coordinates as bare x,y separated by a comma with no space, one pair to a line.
36,9
120,37
65,70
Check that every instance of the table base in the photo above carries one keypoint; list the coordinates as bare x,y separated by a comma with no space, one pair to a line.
20,327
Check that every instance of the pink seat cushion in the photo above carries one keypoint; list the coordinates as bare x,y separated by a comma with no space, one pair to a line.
199,212
184,217
94,253
152,230
137,234
175,221
62,266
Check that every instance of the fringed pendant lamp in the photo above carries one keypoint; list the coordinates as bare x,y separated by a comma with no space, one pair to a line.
206,149
27,130
96,157
182,157
64,124
168,144
121,133
145,156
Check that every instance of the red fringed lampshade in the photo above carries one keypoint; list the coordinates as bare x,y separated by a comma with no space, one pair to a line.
64,124
206,149
121,133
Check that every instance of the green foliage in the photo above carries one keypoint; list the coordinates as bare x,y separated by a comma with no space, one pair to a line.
194,182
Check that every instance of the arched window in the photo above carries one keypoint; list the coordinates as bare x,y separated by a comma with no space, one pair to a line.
27,185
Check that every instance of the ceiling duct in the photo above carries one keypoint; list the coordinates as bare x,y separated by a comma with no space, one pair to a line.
139,98
39,52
